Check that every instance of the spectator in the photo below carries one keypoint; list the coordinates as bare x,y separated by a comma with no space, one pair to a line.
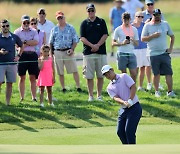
125,38
148,13
154,33
115,18
46,76
44,24
131,6
41,34
93,33
63,41
143,62
122,89
8,67
30,39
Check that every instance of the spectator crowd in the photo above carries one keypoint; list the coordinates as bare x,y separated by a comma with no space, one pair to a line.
39,47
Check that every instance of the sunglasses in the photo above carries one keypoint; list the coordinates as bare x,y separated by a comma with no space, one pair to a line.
42,13
60,17
140,16
33,23
26,23
90,11
150,4
5,26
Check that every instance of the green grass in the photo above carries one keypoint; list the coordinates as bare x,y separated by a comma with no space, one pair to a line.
90,149
74,111
146,134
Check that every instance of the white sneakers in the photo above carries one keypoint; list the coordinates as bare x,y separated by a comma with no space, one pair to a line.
171,94
157,94
140,89
149,86
42,105
91,98
99,98
161,87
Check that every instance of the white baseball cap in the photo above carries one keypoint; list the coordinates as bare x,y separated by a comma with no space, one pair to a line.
105,69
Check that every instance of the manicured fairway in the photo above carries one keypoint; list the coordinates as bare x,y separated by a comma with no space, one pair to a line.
91,149
146,134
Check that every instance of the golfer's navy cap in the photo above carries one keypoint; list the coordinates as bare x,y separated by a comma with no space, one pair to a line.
156,12
90,6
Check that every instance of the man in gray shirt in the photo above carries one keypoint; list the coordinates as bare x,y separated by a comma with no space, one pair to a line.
154,33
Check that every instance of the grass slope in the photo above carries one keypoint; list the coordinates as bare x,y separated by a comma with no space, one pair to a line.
73,111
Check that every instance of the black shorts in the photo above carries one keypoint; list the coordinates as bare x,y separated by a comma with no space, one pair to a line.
161,64
28,61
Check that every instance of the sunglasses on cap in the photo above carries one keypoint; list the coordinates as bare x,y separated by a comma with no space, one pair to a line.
26,23
150,4
33,23
5,26
140,16
90,10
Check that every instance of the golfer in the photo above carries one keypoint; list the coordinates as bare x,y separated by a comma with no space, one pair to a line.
122,89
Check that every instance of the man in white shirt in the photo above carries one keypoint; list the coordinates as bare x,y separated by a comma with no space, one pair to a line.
44,24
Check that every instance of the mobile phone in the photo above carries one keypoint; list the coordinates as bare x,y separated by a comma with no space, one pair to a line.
128,38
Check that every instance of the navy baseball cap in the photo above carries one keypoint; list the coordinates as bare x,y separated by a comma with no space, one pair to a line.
156,12
90,6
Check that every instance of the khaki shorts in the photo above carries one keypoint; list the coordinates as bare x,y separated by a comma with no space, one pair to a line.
63,59
9,72
93,63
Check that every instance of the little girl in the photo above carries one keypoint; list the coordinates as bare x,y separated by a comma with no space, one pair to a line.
46,76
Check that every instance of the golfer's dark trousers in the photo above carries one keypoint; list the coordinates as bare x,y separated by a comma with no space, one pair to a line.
128,122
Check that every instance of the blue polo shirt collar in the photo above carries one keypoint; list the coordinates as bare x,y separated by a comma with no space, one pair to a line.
5,36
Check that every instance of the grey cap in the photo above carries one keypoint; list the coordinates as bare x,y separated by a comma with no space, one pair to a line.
90,6
25,18
149,1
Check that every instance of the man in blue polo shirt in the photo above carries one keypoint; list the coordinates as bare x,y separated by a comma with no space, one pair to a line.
8,67
115,18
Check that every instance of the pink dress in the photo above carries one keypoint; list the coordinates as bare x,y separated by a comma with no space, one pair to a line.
45,77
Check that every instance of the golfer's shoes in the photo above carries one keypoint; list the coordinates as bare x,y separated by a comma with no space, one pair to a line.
149,86
171,94
157,94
